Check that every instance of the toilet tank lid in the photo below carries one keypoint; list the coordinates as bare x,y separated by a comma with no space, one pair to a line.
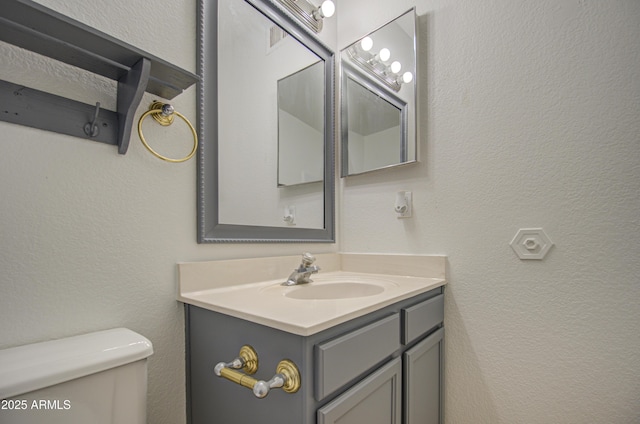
35,366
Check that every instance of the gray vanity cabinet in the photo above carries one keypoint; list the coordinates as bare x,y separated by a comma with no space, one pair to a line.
381,368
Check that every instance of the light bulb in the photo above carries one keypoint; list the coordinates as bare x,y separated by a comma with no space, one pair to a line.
395,67
326,10
407,77
366,44
384,54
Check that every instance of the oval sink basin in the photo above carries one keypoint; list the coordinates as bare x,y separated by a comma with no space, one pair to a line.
341,290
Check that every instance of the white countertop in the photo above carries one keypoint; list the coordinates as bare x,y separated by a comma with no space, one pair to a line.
267,302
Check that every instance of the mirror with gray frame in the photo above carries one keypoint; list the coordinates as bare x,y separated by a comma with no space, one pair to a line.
378,98
266,125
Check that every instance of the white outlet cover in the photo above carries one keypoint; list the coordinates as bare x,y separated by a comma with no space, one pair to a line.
531,243
404,198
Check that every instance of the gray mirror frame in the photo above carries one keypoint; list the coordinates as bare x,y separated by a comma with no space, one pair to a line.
351,72
210,230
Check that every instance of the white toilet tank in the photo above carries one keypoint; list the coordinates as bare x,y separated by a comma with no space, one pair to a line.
97,378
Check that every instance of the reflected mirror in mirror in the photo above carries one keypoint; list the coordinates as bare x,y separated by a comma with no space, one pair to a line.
375,125
379,98
301,126
266,122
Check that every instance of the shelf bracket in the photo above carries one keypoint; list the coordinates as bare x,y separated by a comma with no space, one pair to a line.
131,87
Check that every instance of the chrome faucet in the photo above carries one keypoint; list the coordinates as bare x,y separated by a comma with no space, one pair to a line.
303,272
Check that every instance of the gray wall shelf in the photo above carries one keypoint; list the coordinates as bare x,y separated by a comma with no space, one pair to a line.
34,27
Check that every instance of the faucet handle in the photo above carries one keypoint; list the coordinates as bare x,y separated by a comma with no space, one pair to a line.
307,259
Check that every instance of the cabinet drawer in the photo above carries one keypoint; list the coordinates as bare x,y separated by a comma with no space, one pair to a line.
340,360
420,318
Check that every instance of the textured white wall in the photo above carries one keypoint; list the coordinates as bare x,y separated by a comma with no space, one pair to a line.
530,117
90,238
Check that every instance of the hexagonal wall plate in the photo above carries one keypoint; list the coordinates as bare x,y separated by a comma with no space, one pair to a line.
531,243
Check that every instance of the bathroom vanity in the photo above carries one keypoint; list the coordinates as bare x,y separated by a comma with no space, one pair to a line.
368,345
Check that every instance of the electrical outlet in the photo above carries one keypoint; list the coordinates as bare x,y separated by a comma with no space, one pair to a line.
403,204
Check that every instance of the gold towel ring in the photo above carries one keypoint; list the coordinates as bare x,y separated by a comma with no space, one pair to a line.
163,114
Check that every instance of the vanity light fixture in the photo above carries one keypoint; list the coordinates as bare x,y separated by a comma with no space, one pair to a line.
376,64
384,55
326,10
366,44
310,15
406,78
395,67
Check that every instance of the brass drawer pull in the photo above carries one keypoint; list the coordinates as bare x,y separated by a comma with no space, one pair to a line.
287,375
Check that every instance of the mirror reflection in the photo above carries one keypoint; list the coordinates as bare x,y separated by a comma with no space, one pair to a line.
248,119
379,98
301,127
374,124
267,126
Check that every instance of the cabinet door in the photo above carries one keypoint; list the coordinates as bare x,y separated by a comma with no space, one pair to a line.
423,381
375,400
